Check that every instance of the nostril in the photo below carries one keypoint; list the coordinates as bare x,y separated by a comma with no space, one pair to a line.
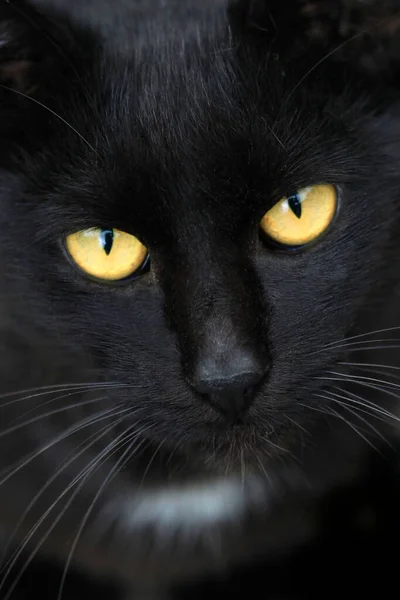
231,395
229,377
243,383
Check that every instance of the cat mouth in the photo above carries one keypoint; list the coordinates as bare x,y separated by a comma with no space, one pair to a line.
237,452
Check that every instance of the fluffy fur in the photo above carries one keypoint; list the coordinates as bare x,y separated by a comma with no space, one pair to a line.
182,123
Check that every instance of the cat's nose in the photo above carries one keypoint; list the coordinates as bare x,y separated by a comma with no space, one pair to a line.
230,385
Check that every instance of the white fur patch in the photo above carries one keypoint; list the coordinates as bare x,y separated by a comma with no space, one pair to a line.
189,507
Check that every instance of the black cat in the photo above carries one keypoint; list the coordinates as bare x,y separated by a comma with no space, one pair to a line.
200,204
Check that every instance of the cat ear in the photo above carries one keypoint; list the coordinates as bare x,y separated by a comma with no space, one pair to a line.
28,54
365,33
18,57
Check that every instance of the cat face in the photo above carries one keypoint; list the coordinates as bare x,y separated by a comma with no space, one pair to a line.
190,225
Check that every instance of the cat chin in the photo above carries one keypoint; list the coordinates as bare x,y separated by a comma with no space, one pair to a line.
191,507
177,531
174,533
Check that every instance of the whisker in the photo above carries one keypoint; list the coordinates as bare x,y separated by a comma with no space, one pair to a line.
362,335
156,451
367,348
343,379
268,441
93,439
378,388
368,365
334,413
113,471
365,378
342,401
263,470
355,414
367,404
358,347
70,431
374,407
56,387
297,425
51,111
323,59
275,135
319,410
57,398
55,45
242,470
49,414
379,340
385,370
177,446
82,478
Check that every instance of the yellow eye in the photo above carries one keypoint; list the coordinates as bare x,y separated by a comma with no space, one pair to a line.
107,254
299,219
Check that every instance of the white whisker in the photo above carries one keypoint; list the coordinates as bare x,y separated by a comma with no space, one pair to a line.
57,398
70,431
82,478
49,389
332,412
87,444
368,365
127,454
322,60
365,378
344,379
374,409
156,451
49,414
51,111
342,401
363,335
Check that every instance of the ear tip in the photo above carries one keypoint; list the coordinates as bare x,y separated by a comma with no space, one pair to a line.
21,42
364,34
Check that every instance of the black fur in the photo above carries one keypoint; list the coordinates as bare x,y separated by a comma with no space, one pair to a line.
182,123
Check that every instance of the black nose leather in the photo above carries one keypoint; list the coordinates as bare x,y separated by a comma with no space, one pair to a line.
230,385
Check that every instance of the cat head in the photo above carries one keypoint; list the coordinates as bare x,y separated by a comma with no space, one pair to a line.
194,220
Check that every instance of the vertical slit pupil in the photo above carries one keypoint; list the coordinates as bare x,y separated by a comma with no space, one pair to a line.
295,205
107,239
